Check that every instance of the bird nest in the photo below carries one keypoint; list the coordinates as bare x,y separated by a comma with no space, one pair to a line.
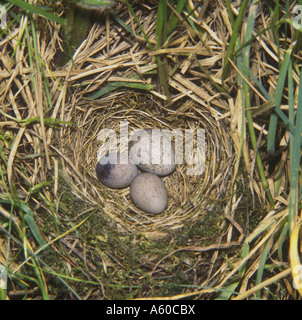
189,195
86,103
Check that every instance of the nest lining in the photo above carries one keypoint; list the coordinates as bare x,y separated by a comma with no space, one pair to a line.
189,196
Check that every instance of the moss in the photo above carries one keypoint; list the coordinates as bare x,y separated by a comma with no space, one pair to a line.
69,204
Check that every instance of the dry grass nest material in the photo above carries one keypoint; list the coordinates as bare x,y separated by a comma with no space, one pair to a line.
189,196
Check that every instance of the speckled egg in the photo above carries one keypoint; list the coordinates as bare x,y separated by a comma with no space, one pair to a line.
116,170
149,193
152,151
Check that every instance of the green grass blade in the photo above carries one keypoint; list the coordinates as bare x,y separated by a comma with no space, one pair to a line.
161,23
162,65
234,38
230,12
262,261
282,238
93,4
40,280
139,25
115,85
122,23
174,20
271,138
295,152
30,221
246,62
291,112
260,86
37,10
227,291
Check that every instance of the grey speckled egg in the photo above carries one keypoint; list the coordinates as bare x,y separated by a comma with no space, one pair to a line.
152,151
116,170
149,193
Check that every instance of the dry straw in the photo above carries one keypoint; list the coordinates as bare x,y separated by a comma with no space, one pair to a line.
189,196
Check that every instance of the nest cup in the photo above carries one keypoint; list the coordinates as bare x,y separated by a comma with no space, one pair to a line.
189,195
